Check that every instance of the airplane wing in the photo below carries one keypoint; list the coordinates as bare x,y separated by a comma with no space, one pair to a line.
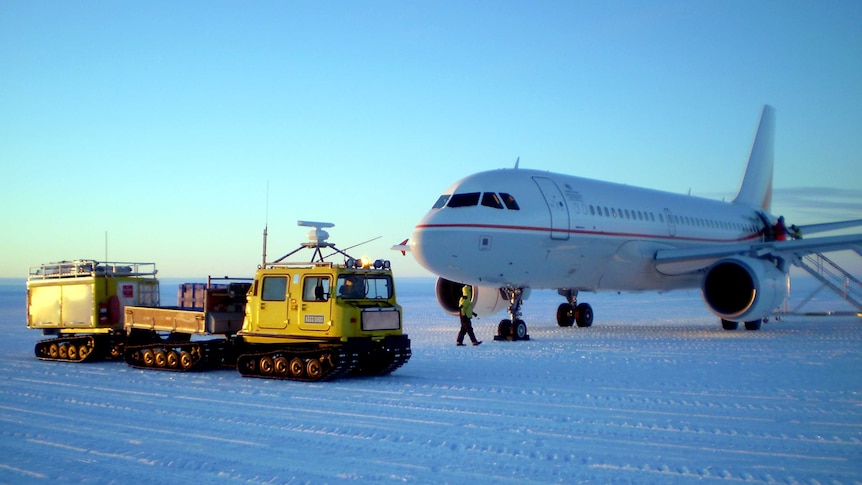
680,261
829,226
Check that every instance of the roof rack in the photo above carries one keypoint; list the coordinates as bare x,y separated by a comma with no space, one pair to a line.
81,268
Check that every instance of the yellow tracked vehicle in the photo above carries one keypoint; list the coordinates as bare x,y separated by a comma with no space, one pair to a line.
308,321
81,302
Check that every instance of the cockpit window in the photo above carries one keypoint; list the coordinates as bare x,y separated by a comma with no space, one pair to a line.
441,202
509,201
490,199
464,200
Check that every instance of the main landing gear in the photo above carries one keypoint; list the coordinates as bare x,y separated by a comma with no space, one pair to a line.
570,313
752,325
513,328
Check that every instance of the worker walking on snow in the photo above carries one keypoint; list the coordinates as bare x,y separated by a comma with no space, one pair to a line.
466,305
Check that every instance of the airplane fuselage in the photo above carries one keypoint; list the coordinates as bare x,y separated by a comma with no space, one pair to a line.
570,232
507,231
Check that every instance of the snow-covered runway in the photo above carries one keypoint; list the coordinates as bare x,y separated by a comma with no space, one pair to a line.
655,391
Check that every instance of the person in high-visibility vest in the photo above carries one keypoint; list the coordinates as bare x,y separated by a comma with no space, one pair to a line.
466,305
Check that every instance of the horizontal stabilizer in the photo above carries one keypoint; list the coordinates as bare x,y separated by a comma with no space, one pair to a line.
403,247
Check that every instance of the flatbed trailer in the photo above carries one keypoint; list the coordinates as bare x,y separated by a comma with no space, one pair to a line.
165,337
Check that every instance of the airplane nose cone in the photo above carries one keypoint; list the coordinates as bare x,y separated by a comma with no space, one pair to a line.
436,250
423,247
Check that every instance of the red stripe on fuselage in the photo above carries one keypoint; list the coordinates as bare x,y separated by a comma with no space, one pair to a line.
586,232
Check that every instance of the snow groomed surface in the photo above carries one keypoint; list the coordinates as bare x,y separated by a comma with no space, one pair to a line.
653,392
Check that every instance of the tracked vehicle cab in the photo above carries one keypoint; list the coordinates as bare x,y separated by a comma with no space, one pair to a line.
346,312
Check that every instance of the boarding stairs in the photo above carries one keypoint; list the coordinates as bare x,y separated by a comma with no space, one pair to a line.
832,276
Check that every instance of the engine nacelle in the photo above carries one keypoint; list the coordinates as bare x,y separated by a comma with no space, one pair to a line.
743,289
487,300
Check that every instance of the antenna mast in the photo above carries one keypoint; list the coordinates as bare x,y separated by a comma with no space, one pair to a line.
265,227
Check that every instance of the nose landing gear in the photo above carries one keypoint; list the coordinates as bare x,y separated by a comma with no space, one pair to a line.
513,328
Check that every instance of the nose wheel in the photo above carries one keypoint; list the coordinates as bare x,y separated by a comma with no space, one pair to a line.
513,328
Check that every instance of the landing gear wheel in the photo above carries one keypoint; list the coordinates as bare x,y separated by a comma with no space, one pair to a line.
296,367
584,315
519,329
266,365
752,325
314,369
565,315
504,329
280,365
728,325
185,360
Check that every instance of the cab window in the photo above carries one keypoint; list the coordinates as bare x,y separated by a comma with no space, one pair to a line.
378,287
274,288
357,286
315,288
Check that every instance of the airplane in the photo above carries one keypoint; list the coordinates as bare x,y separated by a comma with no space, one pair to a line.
507,231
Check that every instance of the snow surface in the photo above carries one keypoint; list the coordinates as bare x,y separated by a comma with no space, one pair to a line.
654,392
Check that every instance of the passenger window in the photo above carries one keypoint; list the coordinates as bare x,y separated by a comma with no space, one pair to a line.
464,200
509,201
490,199
274,288
592,210
316,288
441,202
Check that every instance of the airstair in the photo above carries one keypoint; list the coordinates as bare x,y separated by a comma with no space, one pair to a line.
832,276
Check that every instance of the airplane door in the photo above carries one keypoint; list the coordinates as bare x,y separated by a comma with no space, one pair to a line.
556,205
671,222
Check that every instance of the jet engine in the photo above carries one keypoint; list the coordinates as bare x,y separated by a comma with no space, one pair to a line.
743,289
487,300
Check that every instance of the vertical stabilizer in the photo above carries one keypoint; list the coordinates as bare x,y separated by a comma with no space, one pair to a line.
756,187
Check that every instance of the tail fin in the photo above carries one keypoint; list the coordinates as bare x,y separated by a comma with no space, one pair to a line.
756,187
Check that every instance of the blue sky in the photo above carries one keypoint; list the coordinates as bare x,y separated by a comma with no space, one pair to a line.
163,123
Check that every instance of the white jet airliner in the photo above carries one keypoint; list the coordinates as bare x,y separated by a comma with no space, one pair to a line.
507,231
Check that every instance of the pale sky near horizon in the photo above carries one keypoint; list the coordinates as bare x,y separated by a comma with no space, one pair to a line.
162,123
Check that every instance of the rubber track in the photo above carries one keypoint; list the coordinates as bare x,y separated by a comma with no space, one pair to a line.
339,363
200,355
383,362
60,349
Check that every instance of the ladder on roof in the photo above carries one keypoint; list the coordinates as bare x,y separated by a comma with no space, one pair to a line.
832,276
